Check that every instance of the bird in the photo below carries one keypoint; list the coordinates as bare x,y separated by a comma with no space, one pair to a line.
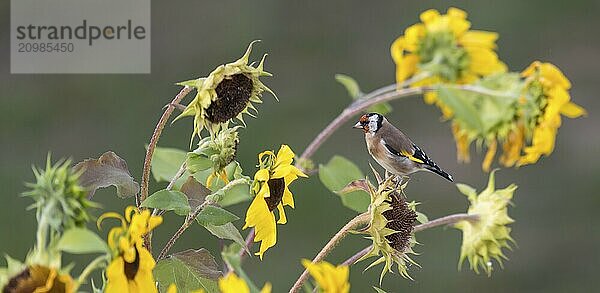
393,150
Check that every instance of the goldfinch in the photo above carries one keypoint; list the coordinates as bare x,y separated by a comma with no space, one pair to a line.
393,150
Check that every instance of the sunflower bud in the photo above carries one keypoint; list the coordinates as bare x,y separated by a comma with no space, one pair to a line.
484,239
226,93
216,152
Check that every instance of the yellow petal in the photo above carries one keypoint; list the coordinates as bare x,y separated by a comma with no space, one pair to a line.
481,39
262,175
263,221
551,73
572,110
233,284
429,16
282,218
483,61
285,156
266,288
288,198
489,156
407,67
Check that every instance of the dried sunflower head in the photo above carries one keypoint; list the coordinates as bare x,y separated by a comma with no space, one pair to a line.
226,93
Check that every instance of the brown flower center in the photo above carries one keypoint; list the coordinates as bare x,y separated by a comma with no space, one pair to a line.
276,189
131,269
401,219
233,95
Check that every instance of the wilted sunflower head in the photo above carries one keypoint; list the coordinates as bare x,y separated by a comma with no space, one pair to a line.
547,95
226,93
390,227
484,239
40,279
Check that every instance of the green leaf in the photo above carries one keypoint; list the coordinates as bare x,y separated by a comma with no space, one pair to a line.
235,192
350,84
168,200
108,170
231,256
215,216
165,164
80,241
463,108
422,218
227,231
336,174
188,270
196,162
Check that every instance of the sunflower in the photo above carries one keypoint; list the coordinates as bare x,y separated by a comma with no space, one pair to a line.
547,88
329,278
39,279
271,190
226,93
231,283
390,227
443,49
484,239
131,267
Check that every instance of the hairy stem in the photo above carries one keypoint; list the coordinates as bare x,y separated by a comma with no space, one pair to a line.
139,198
381,95
189,220
154,141
357,221
447,220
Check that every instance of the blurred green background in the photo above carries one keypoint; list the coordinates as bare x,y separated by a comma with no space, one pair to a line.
556,206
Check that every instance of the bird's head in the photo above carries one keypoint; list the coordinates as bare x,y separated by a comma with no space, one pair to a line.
369,123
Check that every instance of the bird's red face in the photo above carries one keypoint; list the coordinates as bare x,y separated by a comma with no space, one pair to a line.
363,123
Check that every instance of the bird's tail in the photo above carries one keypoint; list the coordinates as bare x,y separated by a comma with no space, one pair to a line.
437,170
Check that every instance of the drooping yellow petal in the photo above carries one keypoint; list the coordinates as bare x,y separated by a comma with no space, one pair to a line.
263,221
489,156
282,218
572,110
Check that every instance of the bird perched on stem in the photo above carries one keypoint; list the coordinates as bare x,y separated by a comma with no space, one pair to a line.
393,150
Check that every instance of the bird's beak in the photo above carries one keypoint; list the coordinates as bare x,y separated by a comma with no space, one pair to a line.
358,125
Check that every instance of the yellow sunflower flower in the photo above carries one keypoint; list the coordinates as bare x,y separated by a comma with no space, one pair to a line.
131,267
231,283
329,278
390,227
40,279
484,239
549,88
226,93
271,190
444,49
